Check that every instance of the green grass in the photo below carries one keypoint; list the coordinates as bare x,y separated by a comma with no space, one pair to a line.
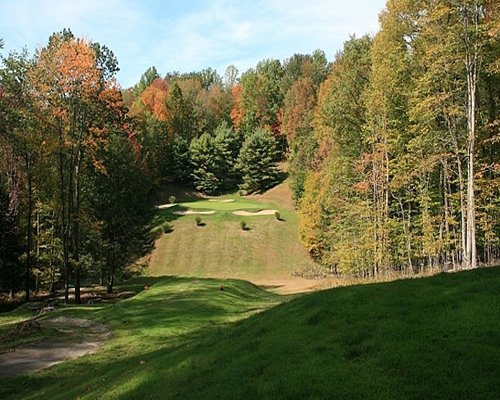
221,206
432,338
168,318
268,249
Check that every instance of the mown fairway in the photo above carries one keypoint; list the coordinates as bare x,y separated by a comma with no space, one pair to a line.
432,338
220,248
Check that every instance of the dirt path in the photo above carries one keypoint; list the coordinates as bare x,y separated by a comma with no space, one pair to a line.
287,285
85,337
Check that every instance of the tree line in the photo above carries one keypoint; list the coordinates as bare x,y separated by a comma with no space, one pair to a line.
402,149
392,148
74,196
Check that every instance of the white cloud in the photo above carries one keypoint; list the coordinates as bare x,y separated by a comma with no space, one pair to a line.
188,36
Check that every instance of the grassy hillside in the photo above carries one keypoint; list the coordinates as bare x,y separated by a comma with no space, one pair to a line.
220,248
165,320
432,338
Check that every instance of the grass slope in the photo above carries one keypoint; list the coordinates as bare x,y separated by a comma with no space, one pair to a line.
219,248
432,338
167,319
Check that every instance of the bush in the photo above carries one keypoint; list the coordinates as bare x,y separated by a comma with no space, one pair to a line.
171,199
277,215
165,227
243,225
198,220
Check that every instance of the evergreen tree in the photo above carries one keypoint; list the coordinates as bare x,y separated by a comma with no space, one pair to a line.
257,162
228,144
205,161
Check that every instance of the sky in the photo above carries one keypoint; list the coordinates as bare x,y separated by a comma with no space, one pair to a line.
191,35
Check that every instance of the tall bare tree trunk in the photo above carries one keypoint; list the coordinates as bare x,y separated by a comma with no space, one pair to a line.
472,65
30,223
76,227
64,220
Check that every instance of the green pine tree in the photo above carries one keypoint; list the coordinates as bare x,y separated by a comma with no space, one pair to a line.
257,162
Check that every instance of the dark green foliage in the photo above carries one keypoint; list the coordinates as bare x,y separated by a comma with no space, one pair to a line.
214,160
106,60
228,144
243,225
154,141
179,159
301,160
11,270
121,206
198,220
277,215
257,162
182,121
205,163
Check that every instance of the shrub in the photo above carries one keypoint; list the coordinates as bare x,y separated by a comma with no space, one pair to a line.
171,199
198,220
165,227
277,215
243,225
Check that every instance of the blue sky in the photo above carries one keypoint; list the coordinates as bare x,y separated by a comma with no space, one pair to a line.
190,35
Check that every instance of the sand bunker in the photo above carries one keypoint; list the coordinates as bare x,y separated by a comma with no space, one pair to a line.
164,206
222,200
190,212
249,214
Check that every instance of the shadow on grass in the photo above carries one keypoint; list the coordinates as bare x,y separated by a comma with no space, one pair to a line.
413,339
166,215
181,192
166,320
282,177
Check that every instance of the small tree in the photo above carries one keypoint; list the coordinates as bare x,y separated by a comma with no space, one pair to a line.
171,199
257,162
198,220
243,225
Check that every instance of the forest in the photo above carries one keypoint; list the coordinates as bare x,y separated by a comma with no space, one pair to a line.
393,149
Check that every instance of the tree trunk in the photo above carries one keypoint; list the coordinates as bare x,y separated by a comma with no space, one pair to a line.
472,68
111,280
462,252
64,221
76,233
30,228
